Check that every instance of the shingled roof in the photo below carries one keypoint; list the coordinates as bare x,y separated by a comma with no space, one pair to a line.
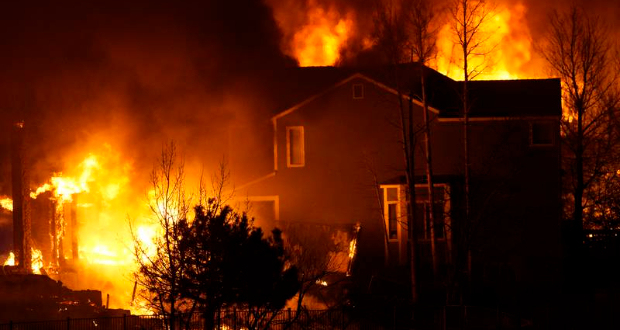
490,98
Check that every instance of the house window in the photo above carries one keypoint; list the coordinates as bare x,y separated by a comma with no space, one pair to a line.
295,154
391,202
541,134
358,91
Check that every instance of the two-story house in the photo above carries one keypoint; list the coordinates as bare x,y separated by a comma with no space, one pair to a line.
337,159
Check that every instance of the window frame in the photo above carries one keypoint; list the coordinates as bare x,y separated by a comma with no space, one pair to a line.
531,134
386,211
302,146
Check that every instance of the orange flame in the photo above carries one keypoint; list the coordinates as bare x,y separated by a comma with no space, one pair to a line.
317,35
6,203
507,48
10,260
36,260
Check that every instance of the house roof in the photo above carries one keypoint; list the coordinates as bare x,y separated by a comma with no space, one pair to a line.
494,98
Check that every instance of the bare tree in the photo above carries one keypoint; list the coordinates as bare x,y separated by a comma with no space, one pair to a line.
468,19
392,38
321,255
161,261
405,33
423,47
579,51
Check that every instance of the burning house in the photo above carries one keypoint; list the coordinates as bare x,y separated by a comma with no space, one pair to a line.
336,159
45,251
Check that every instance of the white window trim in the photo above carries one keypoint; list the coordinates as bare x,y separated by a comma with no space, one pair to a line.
386,211
288,146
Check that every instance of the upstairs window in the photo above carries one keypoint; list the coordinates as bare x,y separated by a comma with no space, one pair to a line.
295,154
358,91
542,134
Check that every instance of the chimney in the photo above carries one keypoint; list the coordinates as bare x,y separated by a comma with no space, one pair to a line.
21,214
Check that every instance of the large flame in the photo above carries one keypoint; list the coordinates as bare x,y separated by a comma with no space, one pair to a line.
97,190
506,48
316,35
320,41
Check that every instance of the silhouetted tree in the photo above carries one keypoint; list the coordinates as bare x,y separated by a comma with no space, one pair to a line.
230,264
161,261
579,52
217,259
404,31
322,255
468,19
422,41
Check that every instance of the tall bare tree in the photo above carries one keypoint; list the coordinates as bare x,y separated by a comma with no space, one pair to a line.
392,39
405,33
468,22
579,51
422,42
161,260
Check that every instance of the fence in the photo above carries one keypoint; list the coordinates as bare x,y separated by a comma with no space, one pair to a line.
441,318
224,320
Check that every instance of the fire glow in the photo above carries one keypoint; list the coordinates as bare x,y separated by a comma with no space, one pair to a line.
317,35
92,203
506,52
326,33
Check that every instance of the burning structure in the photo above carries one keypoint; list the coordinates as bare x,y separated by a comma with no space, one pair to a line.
45,231
332,152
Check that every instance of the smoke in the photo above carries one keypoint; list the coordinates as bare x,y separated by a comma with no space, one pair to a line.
133,74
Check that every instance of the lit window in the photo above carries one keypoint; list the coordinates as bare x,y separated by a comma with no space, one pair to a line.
358,91
392,221
295,155
391,211
541,134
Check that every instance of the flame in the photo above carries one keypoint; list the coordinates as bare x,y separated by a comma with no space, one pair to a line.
320,38
507,48
36,260
6,203
10,261
64,187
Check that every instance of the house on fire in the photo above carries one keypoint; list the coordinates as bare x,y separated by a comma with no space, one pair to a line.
336,159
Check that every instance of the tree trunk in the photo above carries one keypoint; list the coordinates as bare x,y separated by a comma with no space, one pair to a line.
429,171
407,122
467,221
413,240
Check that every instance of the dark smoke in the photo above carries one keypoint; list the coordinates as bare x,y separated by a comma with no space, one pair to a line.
134,74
